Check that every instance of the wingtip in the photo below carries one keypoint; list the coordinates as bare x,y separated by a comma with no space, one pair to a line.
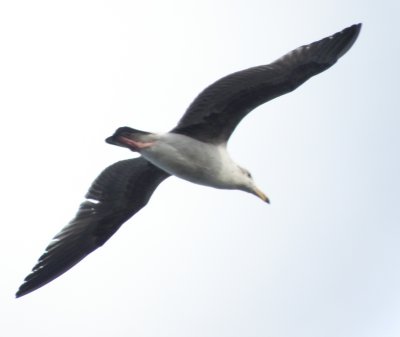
356,28
27,287
21,292
350,34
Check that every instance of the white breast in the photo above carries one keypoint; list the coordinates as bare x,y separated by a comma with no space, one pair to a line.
192,160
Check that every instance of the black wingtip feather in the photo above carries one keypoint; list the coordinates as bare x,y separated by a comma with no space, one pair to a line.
328,50
351,33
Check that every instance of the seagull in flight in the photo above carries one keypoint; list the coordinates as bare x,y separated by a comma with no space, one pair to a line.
194,150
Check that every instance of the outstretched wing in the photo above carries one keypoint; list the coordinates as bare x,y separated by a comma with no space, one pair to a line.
118,193
215,113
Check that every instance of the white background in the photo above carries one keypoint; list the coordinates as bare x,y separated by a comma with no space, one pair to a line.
322,260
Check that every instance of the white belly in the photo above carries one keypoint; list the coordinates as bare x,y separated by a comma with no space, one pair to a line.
192,160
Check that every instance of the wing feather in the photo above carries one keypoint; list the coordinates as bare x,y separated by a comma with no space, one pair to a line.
117,194
215,113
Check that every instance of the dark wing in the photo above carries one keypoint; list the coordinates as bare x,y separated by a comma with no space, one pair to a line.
118,193
215,113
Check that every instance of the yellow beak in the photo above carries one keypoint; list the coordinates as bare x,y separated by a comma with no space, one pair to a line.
260,194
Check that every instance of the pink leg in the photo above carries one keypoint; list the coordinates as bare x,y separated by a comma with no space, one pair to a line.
133,144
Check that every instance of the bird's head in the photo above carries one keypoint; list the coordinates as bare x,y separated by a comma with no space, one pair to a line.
248,185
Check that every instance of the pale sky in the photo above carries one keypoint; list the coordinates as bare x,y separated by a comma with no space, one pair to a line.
321,261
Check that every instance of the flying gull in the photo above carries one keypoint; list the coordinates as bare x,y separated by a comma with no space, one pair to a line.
195,150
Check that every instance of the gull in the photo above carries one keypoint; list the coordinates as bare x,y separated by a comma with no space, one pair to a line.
194,150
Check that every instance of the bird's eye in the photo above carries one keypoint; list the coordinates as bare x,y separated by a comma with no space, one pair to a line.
249,174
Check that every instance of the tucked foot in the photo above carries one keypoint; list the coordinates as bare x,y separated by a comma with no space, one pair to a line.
133,144
132,139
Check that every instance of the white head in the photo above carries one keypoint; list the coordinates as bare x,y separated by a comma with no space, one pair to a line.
247,184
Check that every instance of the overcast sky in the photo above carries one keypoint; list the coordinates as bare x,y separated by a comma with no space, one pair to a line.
321,261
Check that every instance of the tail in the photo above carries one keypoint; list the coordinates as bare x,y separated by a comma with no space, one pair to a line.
124,131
